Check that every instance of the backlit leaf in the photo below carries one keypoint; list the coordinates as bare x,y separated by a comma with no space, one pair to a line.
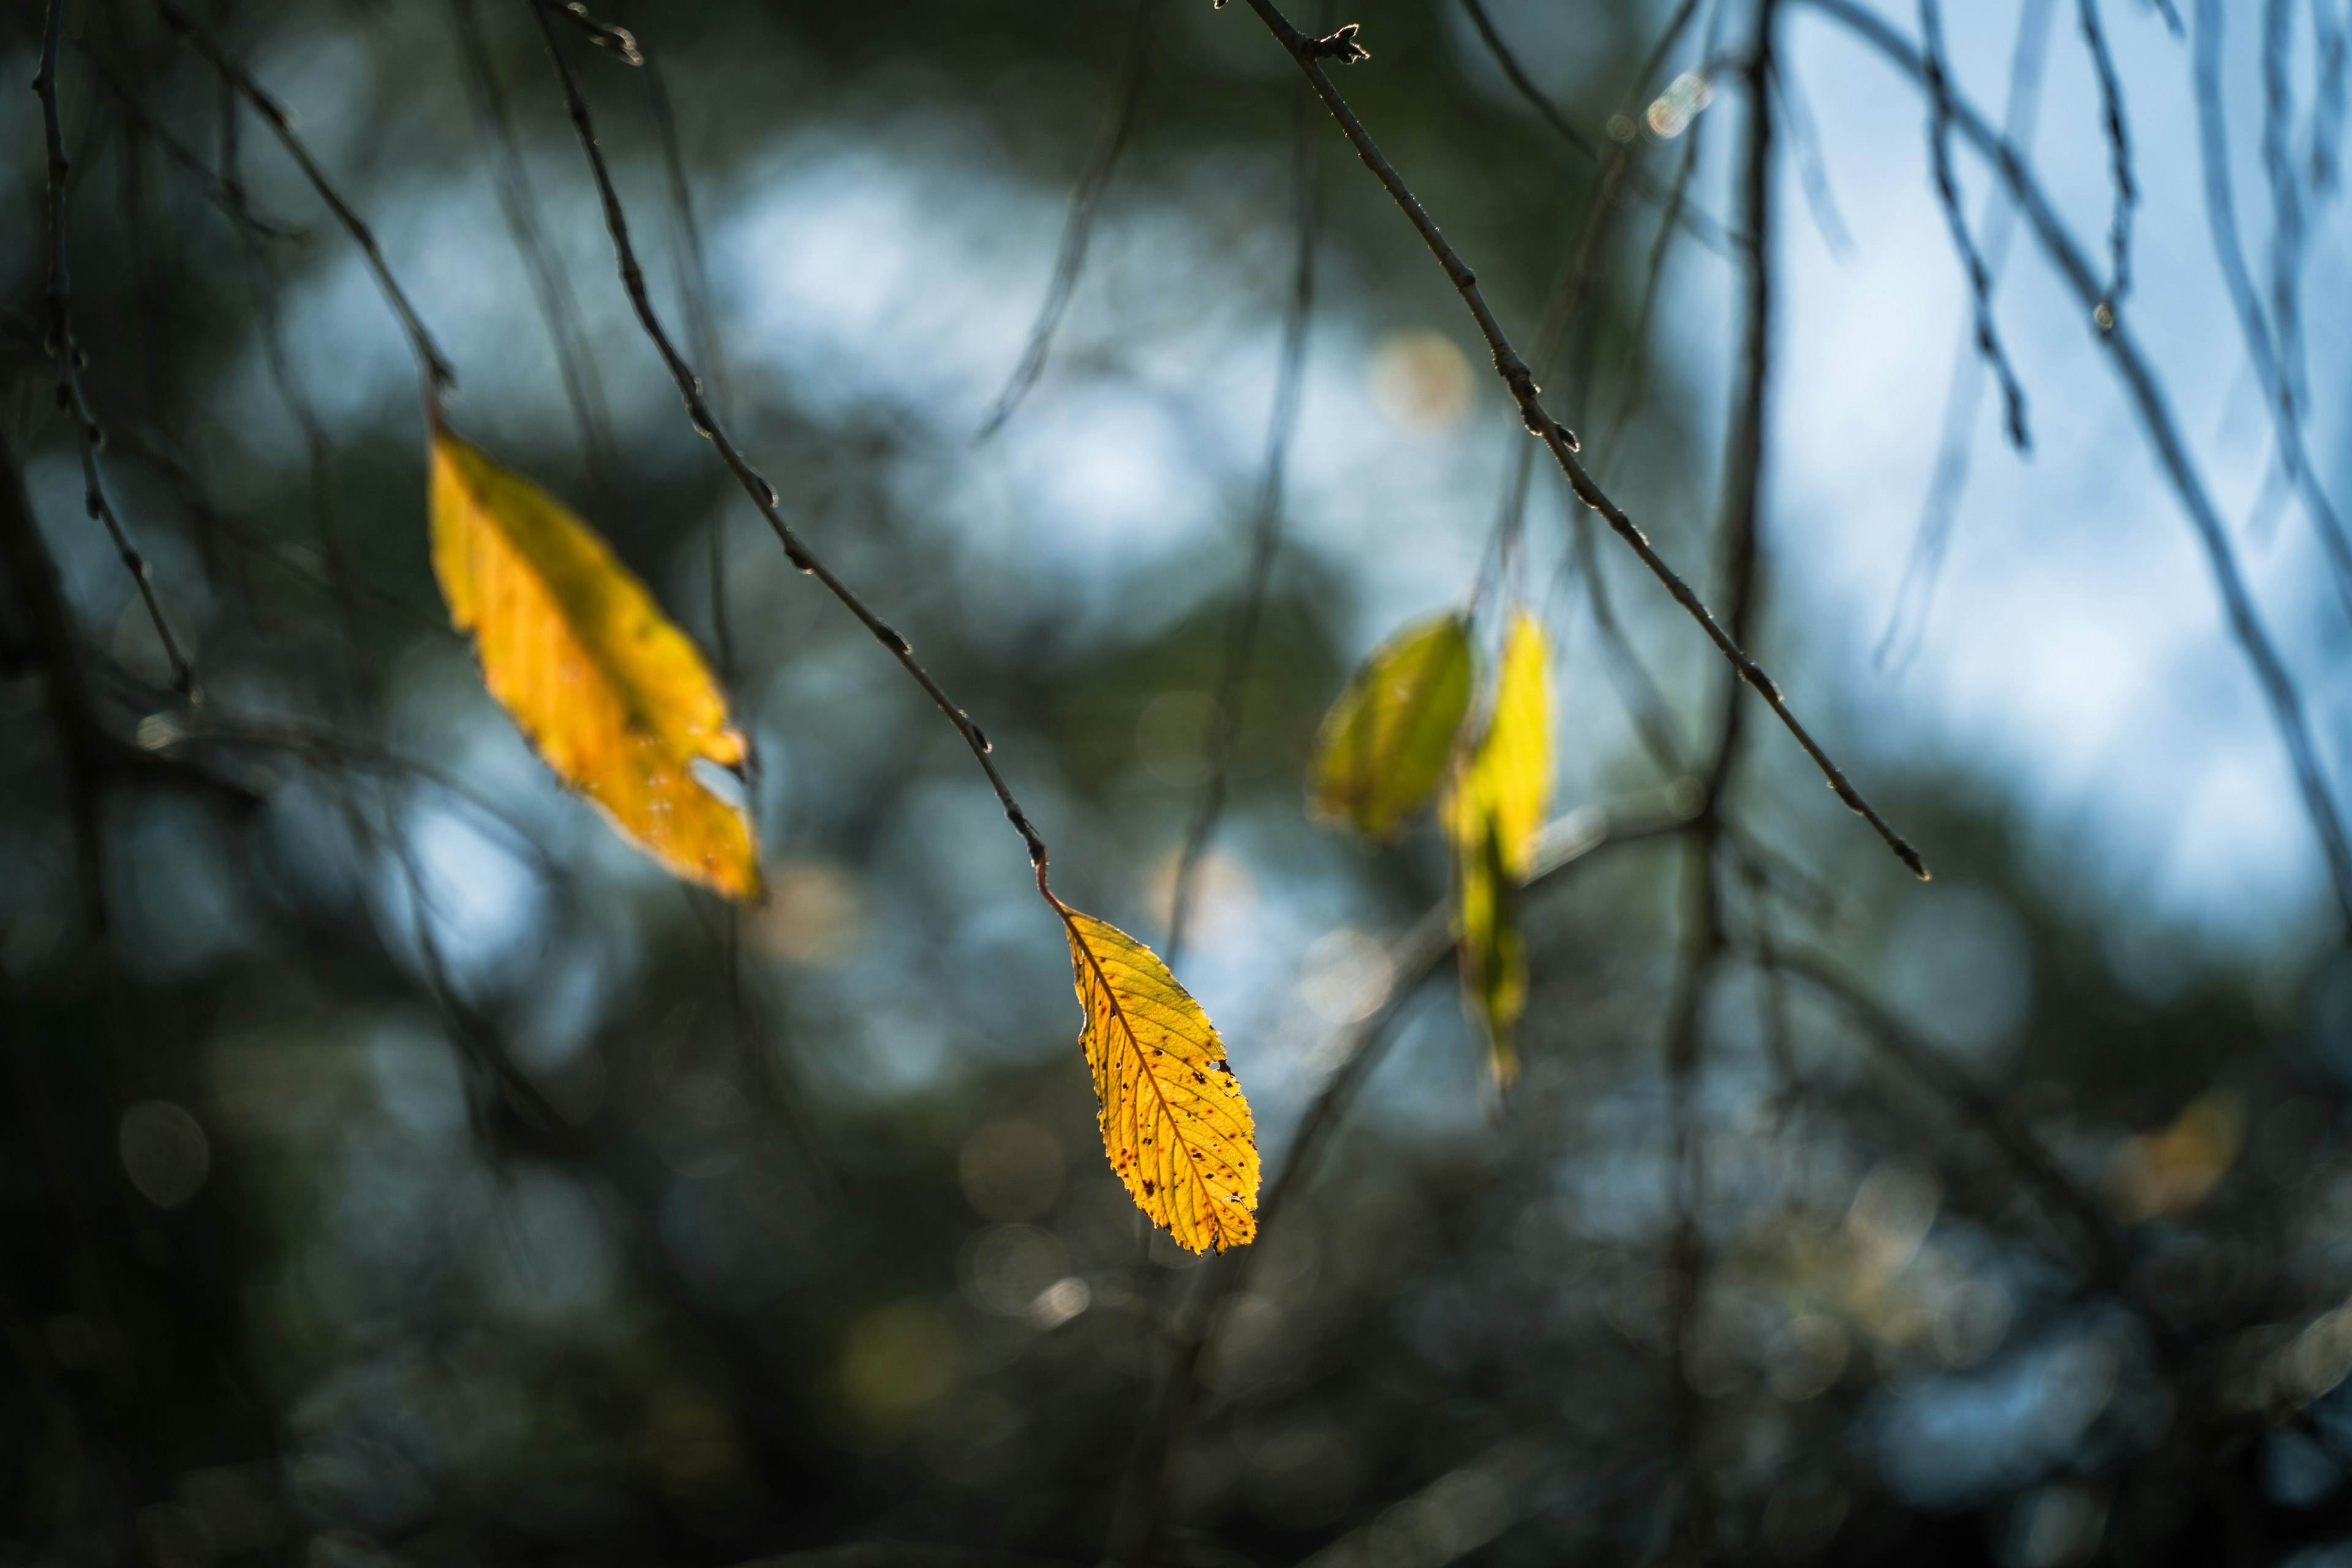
1174,1123
1492,815
1384,744
615,698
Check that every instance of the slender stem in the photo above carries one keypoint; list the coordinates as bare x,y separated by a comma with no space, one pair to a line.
762,494
89,436
2270,670
1309,53
1266,535
438,377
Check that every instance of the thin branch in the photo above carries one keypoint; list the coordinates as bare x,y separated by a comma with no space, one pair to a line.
1266,535
1906,619
616,41
436,371
1947,193
1309,54
557,308
2110,117
63,346
701,327
1086,207
762,494
205,180
2278,392
2328,103
1701,227
1812,169
2103,1249
2270,670
2287,231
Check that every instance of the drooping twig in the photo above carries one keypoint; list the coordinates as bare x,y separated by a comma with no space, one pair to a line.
701,328
200,173
2111,119
2271,674
1812,169
1947,193
1704,934
1700,226
552,289
1309,53
89,437
618,42
762,494
2287,231
2278,392
2334,47
1086,207
1906,619
431,365
1266,532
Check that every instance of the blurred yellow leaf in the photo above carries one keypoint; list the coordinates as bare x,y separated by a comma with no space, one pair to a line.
1385,743
2171,1170
615,698
1174,1123
1493,815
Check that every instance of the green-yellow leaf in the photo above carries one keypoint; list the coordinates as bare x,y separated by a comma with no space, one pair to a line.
612,696
1493,815
1384,744
1175,1123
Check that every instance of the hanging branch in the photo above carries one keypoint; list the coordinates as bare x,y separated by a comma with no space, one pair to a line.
1309,53
438,377
2270,670
762,494
206,181
2111,118
1924,567
2278,392
1705,940
1086,206
1948,194
1265,534
557,308
62,345
2287,231
1700,226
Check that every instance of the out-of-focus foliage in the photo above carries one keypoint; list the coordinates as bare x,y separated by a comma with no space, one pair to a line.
613,696
1389,739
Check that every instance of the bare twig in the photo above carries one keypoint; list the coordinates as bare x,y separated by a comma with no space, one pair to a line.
436,371
1947,193
1906,619
2270,670
557,308
205,180
2287,231
1266,533
1515,375
2110,117
89,438
762,494
2269,367
618,42
1086,207
1701,227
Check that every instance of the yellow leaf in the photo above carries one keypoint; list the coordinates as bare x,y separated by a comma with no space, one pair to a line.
1174,1123
1385,743
1493,815
615,698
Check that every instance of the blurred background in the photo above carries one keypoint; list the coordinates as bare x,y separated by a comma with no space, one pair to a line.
406,1169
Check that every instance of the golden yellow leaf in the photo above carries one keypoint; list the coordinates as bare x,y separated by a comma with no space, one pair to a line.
1384,744
1493,815
615,698
1175,1123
